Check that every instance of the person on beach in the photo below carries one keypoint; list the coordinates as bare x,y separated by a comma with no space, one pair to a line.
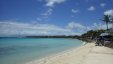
97,41
102,41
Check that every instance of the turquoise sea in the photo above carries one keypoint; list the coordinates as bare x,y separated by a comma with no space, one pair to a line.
21,50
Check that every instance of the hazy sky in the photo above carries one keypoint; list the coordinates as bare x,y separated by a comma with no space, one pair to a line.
52,17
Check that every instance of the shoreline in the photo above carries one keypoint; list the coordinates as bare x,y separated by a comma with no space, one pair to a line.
38,60
85,54
45,60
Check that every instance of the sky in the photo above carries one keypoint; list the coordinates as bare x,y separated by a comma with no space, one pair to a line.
52,17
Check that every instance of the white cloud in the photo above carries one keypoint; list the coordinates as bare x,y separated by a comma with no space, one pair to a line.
8,28
48,12
75,11
45,15
39,19
82,29
109,12
91,8
51,3
102,4
97,26
77,27
74,25
22,29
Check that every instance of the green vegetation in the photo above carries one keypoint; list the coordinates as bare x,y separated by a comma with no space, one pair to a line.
56,36
106,20
90,35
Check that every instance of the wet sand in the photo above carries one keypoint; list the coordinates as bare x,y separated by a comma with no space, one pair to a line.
86,54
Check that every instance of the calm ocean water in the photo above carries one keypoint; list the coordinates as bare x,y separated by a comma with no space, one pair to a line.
21,50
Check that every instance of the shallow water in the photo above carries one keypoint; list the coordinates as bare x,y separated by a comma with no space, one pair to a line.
21,50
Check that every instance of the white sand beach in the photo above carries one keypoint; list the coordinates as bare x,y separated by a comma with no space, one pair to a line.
86,54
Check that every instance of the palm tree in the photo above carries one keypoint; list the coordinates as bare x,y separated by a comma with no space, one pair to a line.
106,20
112,21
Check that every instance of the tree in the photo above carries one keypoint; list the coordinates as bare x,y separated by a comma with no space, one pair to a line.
112,21
106,20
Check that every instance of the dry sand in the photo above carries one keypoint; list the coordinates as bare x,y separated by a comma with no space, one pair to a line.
87,54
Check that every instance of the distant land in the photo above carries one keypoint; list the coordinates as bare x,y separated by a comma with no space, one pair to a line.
56,36
88,36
